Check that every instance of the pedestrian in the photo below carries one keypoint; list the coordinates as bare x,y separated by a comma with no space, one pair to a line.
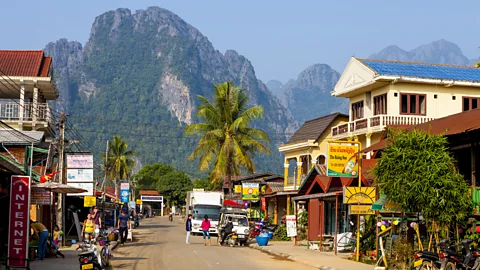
56,235
206,231
97,219
228,229
123,227
88,227
42,233
188,227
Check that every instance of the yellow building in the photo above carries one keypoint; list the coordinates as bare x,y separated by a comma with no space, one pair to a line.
389,93
307,147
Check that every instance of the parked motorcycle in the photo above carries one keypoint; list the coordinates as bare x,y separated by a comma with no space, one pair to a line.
232,239
459,256
90,257
429,260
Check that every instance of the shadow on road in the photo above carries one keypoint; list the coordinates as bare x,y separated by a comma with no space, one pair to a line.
128,259
155,226
143,244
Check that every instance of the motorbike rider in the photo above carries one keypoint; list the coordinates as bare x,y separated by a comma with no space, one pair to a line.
228,229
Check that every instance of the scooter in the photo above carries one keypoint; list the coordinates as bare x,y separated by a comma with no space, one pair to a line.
232,239
90,257
137,222
459,256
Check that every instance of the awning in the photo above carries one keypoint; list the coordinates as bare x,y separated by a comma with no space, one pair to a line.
316,196
378,205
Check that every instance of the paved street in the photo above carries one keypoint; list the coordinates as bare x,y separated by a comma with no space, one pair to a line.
160,244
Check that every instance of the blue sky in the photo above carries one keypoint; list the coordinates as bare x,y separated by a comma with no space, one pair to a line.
280,38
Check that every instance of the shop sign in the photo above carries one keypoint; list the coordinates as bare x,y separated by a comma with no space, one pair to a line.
19,223
238,188
359,195
132,205
87,186
264,203
151,198
79,175
361,209
124,186
80,161
89,201
40,197
198,190
124,195
139,202
342,160
291,225
250,191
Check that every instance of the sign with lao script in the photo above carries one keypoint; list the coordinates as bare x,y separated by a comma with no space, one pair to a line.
80,175
19,223
342,160
89,201
361,209
359,195
80,161
250,191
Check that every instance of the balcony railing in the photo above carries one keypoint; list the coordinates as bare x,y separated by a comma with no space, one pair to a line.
10,111
376,123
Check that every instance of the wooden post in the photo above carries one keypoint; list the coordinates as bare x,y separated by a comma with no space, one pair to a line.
275,212
288,204
335,245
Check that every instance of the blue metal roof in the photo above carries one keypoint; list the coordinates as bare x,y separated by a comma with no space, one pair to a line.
424,70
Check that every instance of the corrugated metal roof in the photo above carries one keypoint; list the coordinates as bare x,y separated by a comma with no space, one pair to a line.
20,137
313,129
24,63
423,70
276,186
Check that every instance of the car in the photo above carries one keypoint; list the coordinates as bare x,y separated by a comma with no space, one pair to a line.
240,223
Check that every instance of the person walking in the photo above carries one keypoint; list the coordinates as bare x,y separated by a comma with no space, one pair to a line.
123,227
228,229
42,233
188,227
206,231
88,228
97,219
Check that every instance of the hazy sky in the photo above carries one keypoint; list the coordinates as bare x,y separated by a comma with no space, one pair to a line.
280,38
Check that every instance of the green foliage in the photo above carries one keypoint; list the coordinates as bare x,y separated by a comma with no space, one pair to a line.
174,187
228,142
303,219
119,159
207,184
148,176
280,233
402,254
417,171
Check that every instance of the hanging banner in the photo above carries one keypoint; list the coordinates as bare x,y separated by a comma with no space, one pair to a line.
250,191
19,221
238,188
79,175
124,195
40,197
291,225
342,160
89,201
80,161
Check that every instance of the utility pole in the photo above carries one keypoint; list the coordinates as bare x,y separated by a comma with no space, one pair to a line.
61,152
103,183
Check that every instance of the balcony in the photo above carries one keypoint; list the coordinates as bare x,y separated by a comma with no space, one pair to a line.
375,123
41,119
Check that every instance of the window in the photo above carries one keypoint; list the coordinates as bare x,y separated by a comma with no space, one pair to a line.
357,110
470,103
413,104
380,104
321,160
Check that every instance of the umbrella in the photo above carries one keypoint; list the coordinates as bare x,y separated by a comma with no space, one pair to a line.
58,188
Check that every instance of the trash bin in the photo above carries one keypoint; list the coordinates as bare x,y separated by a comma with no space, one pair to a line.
270,235
262,241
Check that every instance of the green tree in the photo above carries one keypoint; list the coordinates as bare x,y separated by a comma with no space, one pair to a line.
417,171
174,187
228,142
120,160
149,175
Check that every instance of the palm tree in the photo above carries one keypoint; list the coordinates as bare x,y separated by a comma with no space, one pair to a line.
119,160
228,142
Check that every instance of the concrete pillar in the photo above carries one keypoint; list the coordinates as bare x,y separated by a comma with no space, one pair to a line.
299,173
288,204
22,104
368,143
285,173
34,110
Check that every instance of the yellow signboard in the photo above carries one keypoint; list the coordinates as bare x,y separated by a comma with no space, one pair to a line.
359,195
250,191
238,188
342,160
361,210
89,201
139,201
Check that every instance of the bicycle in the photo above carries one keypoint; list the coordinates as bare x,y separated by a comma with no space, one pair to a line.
106,253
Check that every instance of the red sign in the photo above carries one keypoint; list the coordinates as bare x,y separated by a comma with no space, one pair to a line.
264,204
19,221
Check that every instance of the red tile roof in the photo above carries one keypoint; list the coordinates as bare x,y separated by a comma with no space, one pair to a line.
25,63
148,193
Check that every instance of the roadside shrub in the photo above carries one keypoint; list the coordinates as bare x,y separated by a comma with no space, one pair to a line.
280,233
